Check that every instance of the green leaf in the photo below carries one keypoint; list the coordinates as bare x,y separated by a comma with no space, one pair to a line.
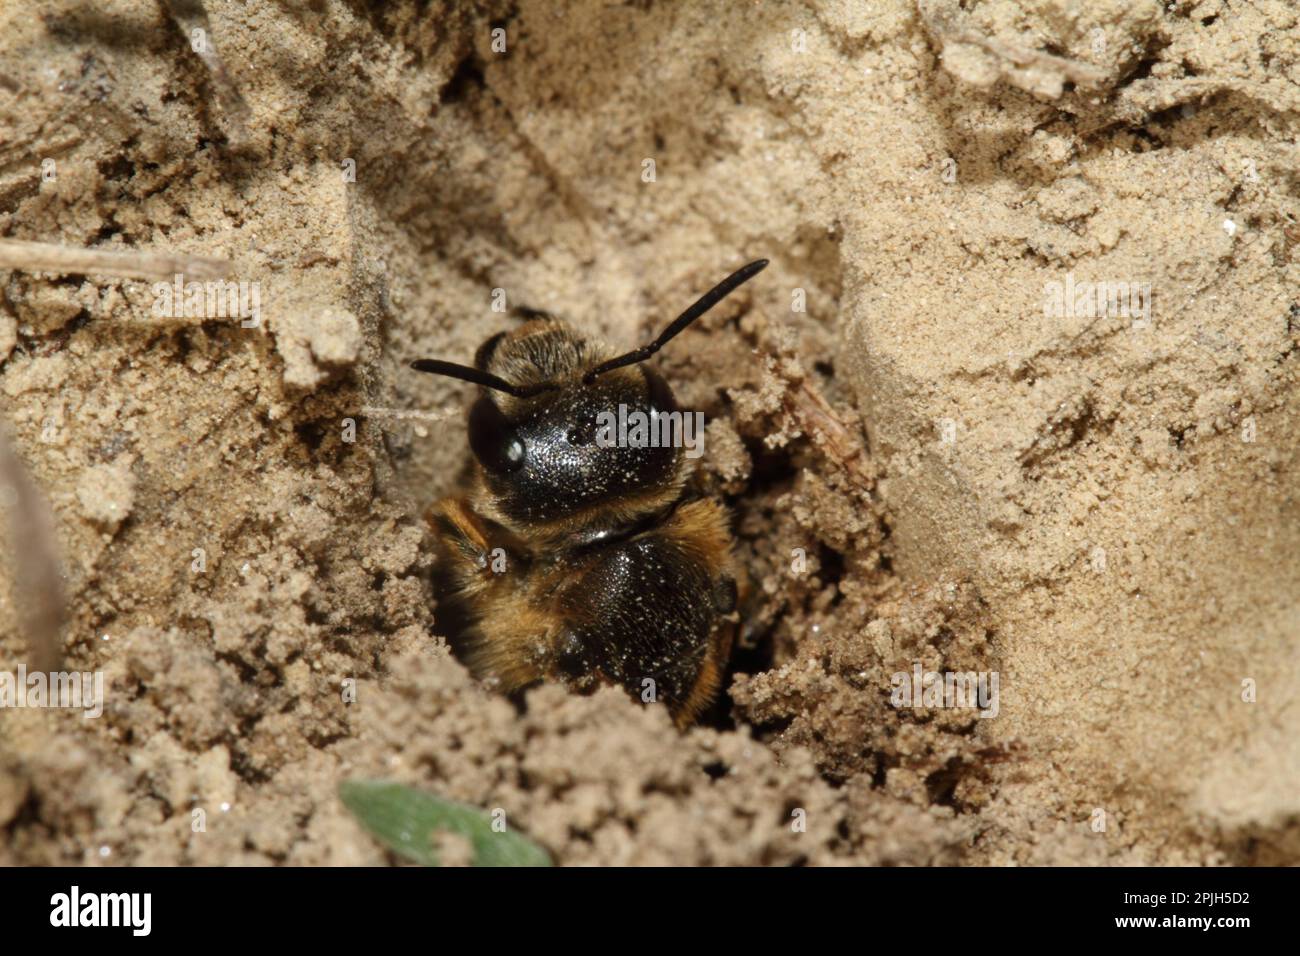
406,820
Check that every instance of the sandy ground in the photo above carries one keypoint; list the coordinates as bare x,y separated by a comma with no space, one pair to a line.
926,462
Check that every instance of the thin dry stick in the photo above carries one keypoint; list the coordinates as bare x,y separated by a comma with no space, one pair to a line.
400,414
192,18
74,260
37,578
942,25
818,419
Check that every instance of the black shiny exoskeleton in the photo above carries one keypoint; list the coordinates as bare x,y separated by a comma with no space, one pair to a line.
574,559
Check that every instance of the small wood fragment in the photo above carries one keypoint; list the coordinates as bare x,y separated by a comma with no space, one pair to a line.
130,264
192,19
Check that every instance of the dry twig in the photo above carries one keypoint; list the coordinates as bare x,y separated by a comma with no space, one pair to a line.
74,260
192,18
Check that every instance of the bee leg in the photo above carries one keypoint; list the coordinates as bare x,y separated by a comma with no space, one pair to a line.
460,533
486,607
463,573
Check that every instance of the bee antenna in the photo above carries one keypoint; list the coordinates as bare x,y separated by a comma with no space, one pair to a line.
479,377
702,305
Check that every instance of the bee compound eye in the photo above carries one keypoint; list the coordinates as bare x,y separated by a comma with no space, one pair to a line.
661,396
494,441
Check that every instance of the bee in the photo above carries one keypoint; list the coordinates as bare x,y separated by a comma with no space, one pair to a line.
574,558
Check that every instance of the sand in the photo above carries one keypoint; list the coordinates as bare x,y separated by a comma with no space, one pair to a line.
928,464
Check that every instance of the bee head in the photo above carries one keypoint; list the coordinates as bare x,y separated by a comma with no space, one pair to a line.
562,431
562,454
